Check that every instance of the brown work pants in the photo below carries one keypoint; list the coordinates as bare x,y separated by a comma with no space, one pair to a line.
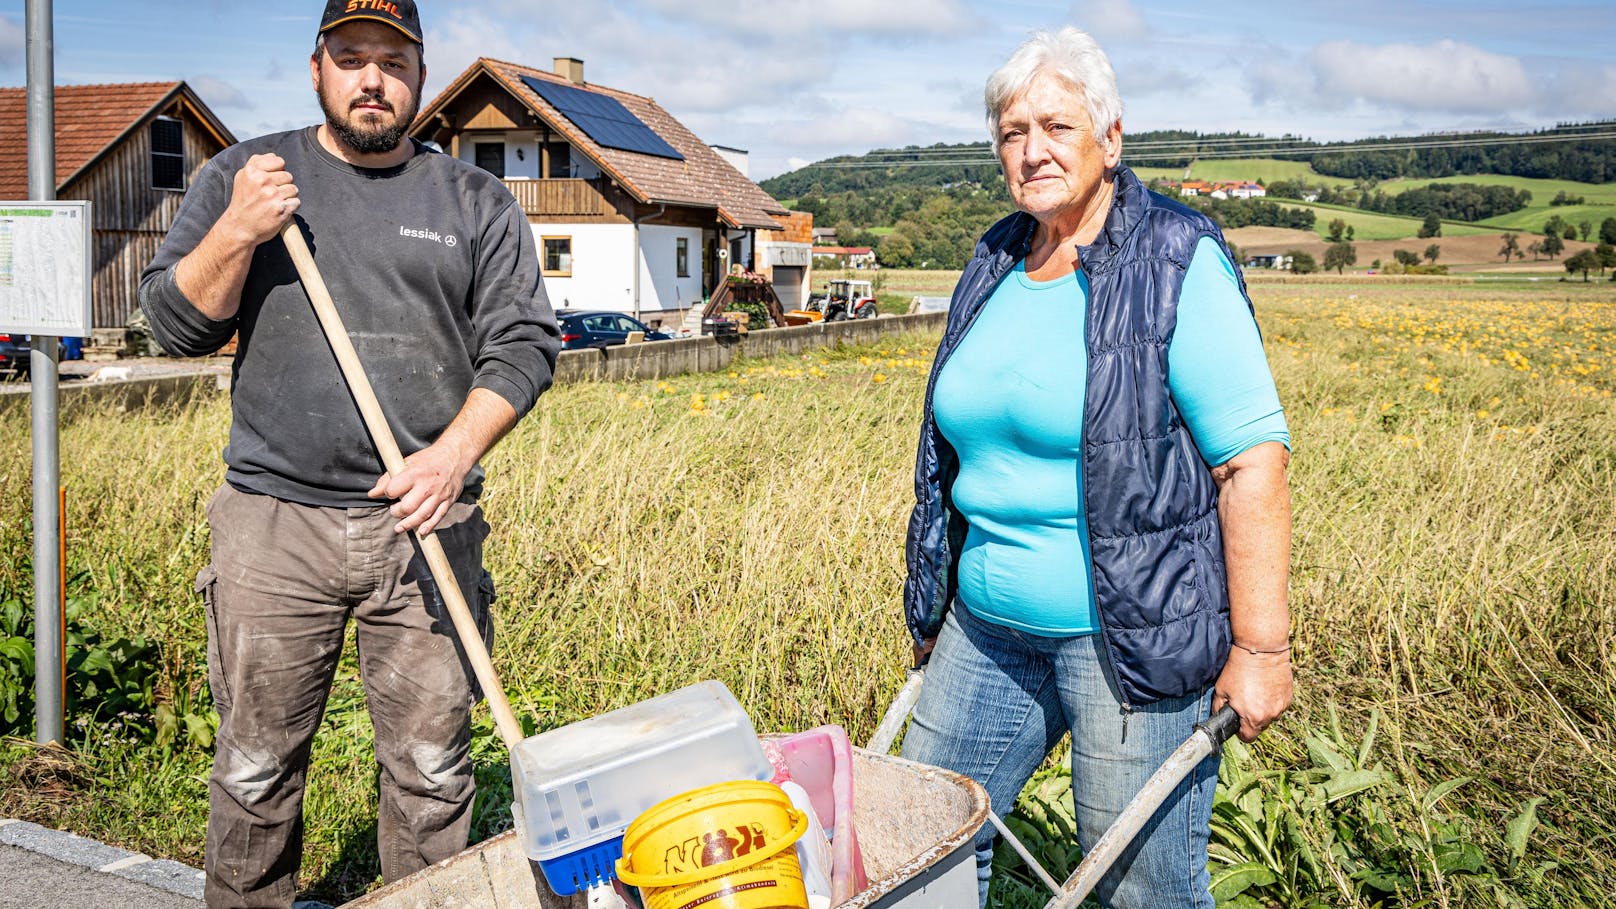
283,582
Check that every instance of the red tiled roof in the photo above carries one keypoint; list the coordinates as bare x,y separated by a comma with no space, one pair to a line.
702,179
88,119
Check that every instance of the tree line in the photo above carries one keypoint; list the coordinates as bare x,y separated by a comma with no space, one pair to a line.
1449,201
1232,213
1489,152
1583,160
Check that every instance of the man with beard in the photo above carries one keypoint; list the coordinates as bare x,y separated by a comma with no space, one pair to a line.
433,264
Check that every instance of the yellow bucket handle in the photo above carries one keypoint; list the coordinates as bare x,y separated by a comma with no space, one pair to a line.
680,878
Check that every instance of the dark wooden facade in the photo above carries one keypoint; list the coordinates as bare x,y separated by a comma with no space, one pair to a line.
131,218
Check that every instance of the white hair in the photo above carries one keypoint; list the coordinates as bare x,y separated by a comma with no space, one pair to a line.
1069,55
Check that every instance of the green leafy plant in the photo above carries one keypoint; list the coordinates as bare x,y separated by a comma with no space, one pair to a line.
1337,831
111,679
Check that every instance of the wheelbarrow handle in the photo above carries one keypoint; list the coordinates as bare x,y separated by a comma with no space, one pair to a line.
1207,739
897,713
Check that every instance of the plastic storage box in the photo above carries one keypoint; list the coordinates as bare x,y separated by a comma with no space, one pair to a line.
579,787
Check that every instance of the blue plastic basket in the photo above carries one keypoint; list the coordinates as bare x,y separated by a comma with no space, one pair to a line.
579,870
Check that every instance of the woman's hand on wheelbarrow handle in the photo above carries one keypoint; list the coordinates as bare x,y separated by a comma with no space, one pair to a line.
922,651
1221,726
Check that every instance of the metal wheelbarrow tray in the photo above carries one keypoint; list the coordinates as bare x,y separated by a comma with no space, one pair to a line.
915,824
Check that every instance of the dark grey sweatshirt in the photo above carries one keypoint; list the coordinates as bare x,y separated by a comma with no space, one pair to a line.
433,268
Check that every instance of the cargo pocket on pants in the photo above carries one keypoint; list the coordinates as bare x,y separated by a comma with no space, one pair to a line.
207,584
483,612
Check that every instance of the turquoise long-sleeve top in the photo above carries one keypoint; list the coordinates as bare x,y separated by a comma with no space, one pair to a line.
1010,401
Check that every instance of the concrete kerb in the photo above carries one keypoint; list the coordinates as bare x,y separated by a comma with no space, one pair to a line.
72,849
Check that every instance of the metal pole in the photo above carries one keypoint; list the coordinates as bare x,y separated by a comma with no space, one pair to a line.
42,365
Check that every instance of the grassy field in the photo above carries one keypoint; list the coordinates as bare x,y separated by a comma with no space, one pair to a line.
1454,593
1600,204
1369,225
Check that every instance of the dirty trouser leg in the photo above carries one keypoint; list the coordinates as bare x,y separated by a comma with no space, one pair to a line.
419,689
275,625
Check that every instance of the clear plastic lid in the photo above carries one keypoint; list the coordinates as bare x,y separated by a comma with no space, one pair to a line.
584,783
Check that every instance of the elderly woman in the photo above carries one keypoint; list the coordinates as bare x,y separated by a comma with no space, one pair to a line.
1101,536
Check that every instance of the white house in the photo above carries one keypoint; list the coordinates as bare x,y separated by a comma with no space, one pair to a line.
630,210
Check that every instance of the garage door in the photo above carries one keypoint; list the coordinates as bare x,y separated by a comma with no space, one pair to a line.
788,285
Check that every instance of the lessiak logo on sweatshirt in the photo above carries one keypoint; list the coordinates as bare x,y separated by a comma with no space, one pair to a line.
422,233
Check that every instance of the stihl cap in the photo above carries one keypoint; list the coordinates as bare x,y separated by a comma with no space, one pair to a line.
400,14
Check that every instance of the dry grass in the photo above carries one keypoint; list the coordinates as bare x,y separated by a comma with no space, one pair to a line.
1453,475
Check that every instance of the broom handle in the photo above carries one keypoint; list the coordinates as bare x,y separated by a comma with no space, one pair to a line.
382,434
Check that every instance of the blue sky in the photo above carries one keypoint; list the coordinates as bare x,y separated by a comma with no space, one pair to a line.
794,82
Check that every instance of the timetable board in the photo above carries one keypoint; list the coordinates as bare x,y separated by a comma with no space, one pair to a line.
45,268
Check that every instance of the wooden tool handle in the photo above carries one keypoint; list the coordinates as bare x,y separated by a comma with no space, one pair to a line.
382,434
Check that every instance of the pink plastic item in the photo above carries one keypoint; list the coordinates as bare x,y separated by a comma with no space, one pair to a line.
821,762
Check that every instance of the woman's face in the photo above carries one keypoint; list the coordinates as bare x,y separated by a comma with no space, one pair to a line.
1047,147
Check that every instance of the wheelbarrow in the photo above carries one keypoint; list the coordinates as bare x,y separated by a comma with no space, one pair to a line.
915,825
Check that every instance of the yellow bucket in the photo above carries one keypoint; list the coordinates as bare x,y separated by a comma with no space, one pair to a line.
725,846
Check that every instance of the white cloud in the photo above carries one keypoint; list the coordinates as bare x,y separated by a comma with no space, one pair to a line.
857,128
907,18
12,43
1113,19
1275,76
1445,76
219,93
1135,81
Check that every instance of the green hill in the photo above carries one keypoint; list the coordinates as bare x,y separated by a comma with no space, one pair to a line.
925,206
1600,199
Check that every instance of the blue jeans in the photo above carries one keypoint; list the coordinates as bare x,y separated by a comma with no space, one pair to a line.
996,700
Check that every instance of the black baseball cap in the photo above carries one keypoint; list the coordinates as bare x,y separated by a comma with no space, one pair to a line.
400,14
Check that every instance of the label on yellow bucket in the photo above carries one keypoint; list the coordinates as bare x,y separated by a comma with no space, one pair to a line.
722,847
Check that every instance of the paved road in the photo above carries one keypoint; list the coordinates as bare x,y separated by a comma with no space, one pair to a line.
31,880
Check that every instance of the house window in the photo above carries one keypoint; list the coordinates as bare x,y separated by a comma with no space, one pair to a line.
681,256
557,257
491,157
560,161
167,153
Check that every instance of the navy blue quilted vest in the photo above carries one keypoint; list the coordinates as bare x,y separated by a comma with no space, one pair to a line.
1150,501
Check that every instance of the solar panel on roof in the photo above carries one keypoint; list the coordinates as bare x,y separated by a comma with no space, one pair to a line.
603,119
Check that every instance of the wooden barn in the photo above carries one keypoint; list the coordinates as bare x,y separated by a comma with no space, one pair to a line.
131,149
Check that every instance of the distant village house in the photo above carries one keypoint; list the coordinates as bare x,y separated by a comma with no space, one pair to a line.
1226,189
1269,260
629,209
847,256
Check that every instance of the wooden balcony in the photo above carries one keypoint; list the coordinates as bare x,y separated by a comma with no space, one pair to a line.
572,199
